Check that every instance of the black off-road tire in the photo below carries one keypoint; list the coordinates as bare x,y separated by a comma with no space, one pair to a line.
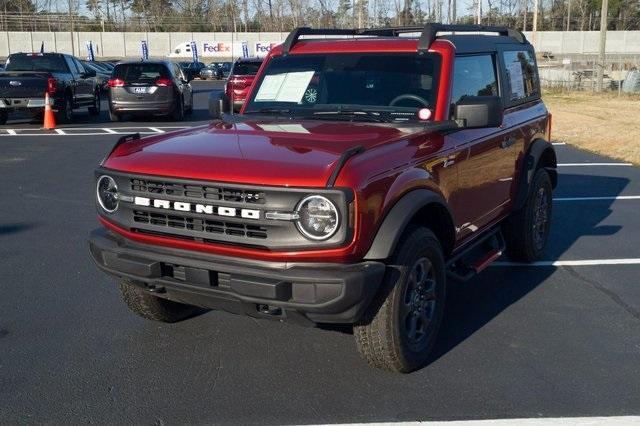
152,307
526,231
382,335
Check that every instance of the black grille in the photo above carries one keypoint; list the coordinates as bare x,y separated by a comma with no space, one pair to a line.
199,225
221,193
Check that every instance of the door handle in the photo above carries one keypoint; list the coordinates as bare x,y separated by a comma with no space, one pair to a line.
507,143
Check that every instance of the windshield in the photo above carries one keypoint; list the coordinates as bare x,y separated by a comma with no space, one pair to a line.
53,63
140,73
375,87
246,68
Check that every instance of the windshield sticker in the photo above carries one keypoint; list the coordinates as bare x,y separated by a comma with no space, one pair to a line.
289,87
516,81
287,128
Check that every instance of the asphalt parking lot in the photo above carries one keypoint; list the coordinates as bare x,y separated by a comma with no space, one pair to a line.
555,339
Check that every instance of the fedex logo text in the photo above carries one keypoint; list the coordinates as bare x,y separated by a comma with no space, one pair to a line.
218,47
264,47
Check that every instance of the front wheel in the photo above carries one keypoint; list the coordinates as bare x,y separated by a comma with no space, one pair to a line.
526,231
152,307
400,327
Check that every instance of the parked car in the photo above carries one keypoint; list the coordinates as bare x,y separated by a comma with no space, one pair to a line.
157,88
28,76
357,180
191,69
102,76
224,68
211,72
236,88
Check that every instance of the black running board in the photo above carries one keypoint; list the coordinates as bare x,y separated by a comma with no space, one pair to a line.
477,256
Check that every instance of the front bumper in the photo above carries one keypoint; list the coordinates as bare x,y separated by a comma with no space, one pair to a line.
304,293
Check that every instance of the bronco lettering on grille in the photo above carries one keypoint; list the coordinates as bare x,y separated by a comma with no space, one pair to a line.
197,208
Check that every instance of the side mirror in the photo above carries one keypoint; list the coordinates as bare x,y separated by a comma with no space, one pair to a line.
89,73
479,111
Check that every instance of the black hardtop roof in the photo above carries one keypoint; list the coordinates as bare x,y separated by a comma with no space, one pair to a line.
478,42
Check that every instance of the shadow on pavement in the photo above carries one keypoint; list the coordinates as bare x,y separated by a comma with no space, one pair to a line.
473,304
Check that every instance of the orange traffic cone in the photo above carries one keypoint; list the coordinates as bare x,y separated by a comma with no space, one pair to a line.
49,118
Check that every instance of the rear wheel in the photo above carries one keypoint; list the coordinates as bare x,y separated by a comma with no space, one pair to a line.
3,117
178,110
113,116
94,110
399,329
526,231
152,307
189,109
65,113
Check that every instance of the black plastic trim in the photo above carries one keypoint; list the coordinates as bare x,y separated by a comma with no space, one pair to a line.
346,155
397,220
320,292
528,168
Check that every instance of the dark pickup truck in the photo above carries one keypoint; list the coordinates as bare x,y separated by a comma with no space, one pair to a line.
29,76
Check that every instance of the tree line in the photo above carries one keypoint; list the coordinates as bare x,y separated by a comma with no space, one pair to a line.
283,15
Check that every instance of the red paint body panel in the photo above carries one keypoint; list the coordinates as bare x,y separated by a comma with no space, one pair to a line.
469,168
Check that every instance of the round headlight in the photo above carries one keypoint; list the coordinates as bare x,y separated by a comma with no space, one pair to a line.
318,217
107,192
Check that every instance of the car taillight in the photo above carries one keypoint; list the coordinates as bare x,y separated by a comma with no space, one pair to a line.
163,82
52,85
115,82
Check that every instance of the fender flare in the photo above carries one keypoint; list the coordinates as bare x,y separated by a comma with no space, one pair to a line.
398,218
528,168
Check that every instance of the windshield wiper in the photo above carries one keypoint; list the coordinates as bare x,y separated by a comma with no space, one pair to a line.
270,111
354,113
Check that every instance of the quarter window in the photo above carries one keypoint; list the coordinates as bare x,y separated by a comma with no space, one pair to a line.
522,80
474,76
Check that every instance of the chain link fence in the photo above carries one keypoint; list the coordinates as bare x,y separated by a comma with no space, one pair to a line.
580,72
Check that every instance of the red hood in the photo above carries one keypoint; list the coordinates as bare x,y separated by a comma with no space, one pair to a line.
279,153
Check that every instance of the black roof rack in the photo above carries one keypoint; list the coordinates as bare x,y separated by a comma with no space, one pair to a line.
428,33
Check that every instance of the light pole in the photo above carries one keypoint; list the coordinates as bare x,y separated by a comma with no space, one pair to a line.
603,41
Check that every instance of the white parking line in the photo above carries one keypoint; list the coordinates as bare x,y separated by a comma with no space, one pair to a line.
91,131
558,143
537,421
620,197
591,262
593,164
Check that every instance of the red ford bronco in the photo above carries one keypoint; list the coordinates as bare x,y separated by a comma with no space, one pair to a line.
362,173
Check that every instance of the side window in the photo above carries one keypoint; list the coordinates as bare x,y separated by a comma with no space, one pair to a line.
474,76
79,66
177,72
72,66
522,78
